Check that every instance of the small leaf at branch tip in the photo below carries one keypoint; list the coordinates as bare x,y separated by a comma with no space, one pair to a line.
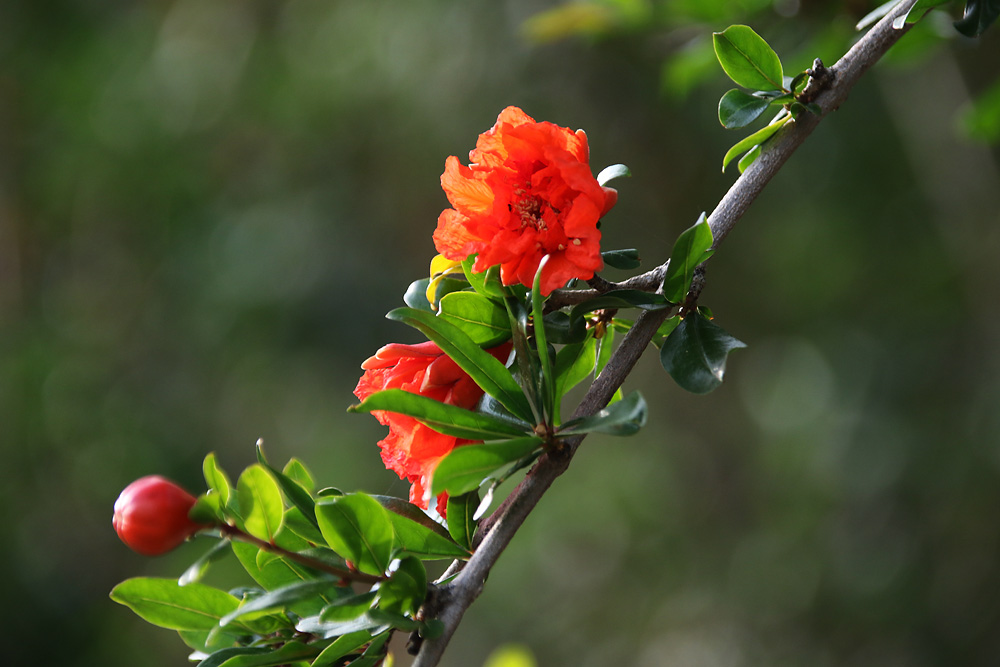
484,505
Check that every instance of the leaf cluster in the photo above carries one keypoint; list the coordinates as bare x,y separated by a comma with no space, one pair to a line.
307,552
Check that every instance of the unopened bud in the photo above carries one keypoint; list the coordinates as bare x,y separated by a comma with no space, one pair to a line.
151,516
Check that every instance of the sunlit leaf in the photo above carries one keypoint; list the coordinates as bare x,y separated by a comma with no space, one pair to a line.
613,172
460,522
166,603
491,375
691,249
464,468
280,598
627,259
260,500
482,319
442,417
406,589
198,568
755,139
625,417
358,528
748,59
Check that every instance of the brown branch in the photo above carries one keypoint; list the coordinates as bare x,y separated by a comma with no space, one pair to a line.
454,598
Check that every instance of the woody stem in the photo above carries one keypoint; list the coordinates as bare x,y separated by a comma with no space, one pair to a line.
233,533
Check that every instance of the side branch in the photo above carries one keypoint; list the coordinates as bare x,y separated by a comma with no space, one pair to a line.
455,597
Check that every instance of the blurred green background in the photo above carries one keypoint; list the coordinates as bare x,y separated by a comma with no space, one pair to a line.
206,208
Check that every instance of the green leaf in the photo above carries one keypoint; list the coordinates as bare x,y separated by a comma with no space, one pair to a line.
260,500
297,471
298,496
347,608
625,417
358,528
416,295
747,58
263,656
622,259
573,364
276,573
548,387
280,598
978,16
691,249
482,319
748,159
406,589
341,647
464,468
755,139
612,172
411,512
166,603
216,479
695,353
487,283
561,329
417,539
442,417
461,525
491,375
297,523
739,109
198,568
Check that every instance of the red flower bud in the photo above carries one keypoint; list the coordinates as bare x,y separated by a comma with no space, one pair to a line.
151,516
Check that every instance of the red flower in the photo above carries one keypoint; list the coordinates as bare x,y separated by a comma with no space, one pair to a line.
151,516
528,193
412,449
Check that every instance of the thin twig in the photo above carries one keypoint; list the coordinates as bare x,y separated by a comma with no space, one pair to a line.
455,597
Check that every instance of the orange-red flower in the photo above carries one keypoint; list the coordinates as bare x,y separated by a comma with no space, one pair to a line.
412,449
528,193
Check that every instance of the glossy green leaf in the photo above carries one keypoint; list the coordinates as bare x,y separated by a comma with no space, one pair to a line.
622,259
277,573
406,589
358,528
695,353
216,478
297,471
755,139
348,607
748,159
978,16
341,647
289,653
613,172
561,329
547,388
748,59
166,603
574,363
490,374
442,417
416,295
298,496
739,109
280,598
461,524
625,417
417,539
486,283
411,512
691,249
260,501
482,319
314,626
297,523
464,468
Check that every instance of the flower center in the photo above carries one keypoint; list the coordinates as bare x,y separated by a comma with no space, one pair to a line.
528,208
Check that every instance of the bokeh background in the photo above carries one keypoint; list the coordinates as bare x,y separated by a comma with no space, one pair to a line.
206,208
